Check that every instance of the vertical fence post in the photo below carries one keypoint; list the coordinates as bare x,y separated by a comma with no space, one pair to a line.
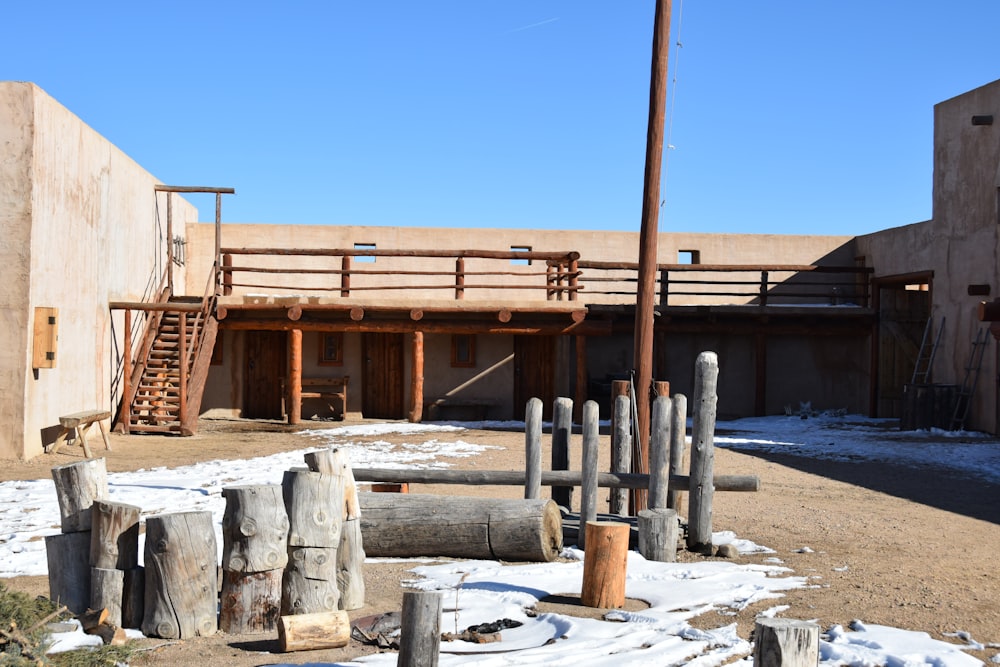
562,427
588,481
678,437
659,453
420,629
621,450
533,449
702,453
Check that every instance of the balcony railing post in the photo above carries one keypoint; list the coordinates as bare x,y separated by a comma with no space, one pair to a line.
763,288
345,276
573,278
460,278
550,281
227,274
664,286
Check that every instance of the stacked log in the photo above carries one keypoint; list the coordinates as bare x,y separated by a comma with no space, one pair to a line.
114,552
254,555
309,584
351,553
78,485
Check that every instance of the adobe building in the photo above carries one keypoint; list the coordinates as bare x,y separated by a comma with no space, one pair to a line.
115,295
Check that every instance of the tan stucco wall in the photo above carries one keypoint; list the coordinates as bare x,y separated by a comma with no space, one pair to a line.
85,218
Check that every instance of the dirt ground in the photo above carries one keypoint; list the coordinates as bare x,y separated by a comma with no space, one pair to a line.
909,548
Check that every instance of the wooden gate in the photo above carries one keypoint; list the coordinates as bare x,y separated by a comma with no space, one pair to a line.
383,381
264,374
534,373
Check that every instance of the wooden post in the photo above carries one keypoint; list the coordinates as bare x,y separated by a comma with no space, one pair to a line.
134,591
621,449
659,453
420,629
295,378
68,557
533,449
658,530
78,485
588,486
648,233
417,378
114,538
331,629
702,453
678,443
605,565
183,370
106,589
227,274
460,278
250,602
315,505
785,642
562,427
181,576
126,416
170,244
345,276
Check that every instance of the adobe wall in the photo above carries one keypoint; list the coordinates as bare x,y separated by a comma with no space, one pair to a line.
85,216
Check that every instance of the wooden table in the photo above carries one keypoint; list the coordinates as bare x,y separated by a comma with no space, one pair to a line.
79,423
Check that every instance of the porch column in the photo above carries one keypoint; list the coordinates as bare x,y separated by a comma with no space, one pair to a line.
295,378
417,378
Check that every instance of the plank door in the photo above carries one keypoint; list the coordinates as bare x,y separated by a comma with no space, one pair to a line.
383,380
264,374
534,373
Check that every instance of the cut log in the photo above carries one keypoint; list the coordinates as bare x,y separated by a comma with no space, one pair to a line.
114,539
605,564
68,556
420,629
309,584
303,632
314,519
350,566
106,587
460,526
91,618
658,531
334,462
784,642
251,603
181,576
254,529
132,597
78,485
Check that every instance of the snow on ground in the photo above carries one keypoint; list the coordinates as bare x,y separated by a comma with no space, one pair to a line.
480,591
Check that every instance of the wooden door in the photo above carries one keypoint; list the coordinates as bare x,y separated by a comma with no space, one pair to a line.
264,374
534,373
903,317
383,381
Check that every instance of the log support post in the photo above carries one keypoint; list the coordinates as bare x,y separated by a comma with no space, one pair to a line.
417,378
621,450
533,449
659,452
420,629
562,427
701,487
295,377
678,443
588,485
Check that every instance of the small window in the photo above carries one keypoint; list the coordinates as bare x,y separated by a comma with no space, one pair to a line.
369,259
463,351
331,350
521,248
689,257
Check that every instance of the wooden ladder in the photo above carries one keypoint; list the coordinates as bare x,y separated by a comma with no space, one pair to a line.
963,400
928,348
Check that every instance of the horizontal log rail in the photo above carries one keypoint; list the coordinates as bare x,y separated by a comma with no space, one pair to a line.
559,280
794,284
748,483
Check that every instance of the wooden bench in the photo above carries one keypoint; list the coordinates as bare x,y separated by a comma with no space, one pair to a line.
327,389
79,423
476,408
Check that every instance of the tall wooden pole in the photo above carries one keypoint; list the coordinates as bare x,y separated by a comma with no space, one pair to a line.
645,303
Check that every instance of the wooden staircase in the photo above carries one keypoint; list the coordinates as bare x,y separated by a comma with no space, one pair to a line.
168,379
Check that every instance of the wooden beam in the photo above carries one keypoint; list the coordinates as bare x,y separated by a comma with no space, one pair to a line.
406,326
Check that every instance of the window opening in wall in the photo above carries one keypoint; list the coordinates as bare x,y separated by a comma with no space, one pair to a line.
463,351
689,257
180,244
370,259
331,349
521,248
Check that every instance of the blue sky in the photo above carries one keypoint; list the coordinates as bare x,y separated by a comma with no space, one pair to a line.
786,116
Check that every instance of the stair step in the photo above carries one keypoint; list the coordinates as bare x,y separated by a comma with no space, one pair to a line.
149,428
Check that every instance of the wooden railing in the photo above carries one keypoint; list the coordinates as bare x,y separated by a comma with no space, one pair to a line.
345,272
728,284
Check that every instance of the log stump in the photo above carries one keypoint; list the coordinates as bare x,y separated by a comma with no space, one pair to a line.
314,520
181,576
658,531
309,584
605,564
114,538
461,527
250,602
254,529
68,556
784,642
78,485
